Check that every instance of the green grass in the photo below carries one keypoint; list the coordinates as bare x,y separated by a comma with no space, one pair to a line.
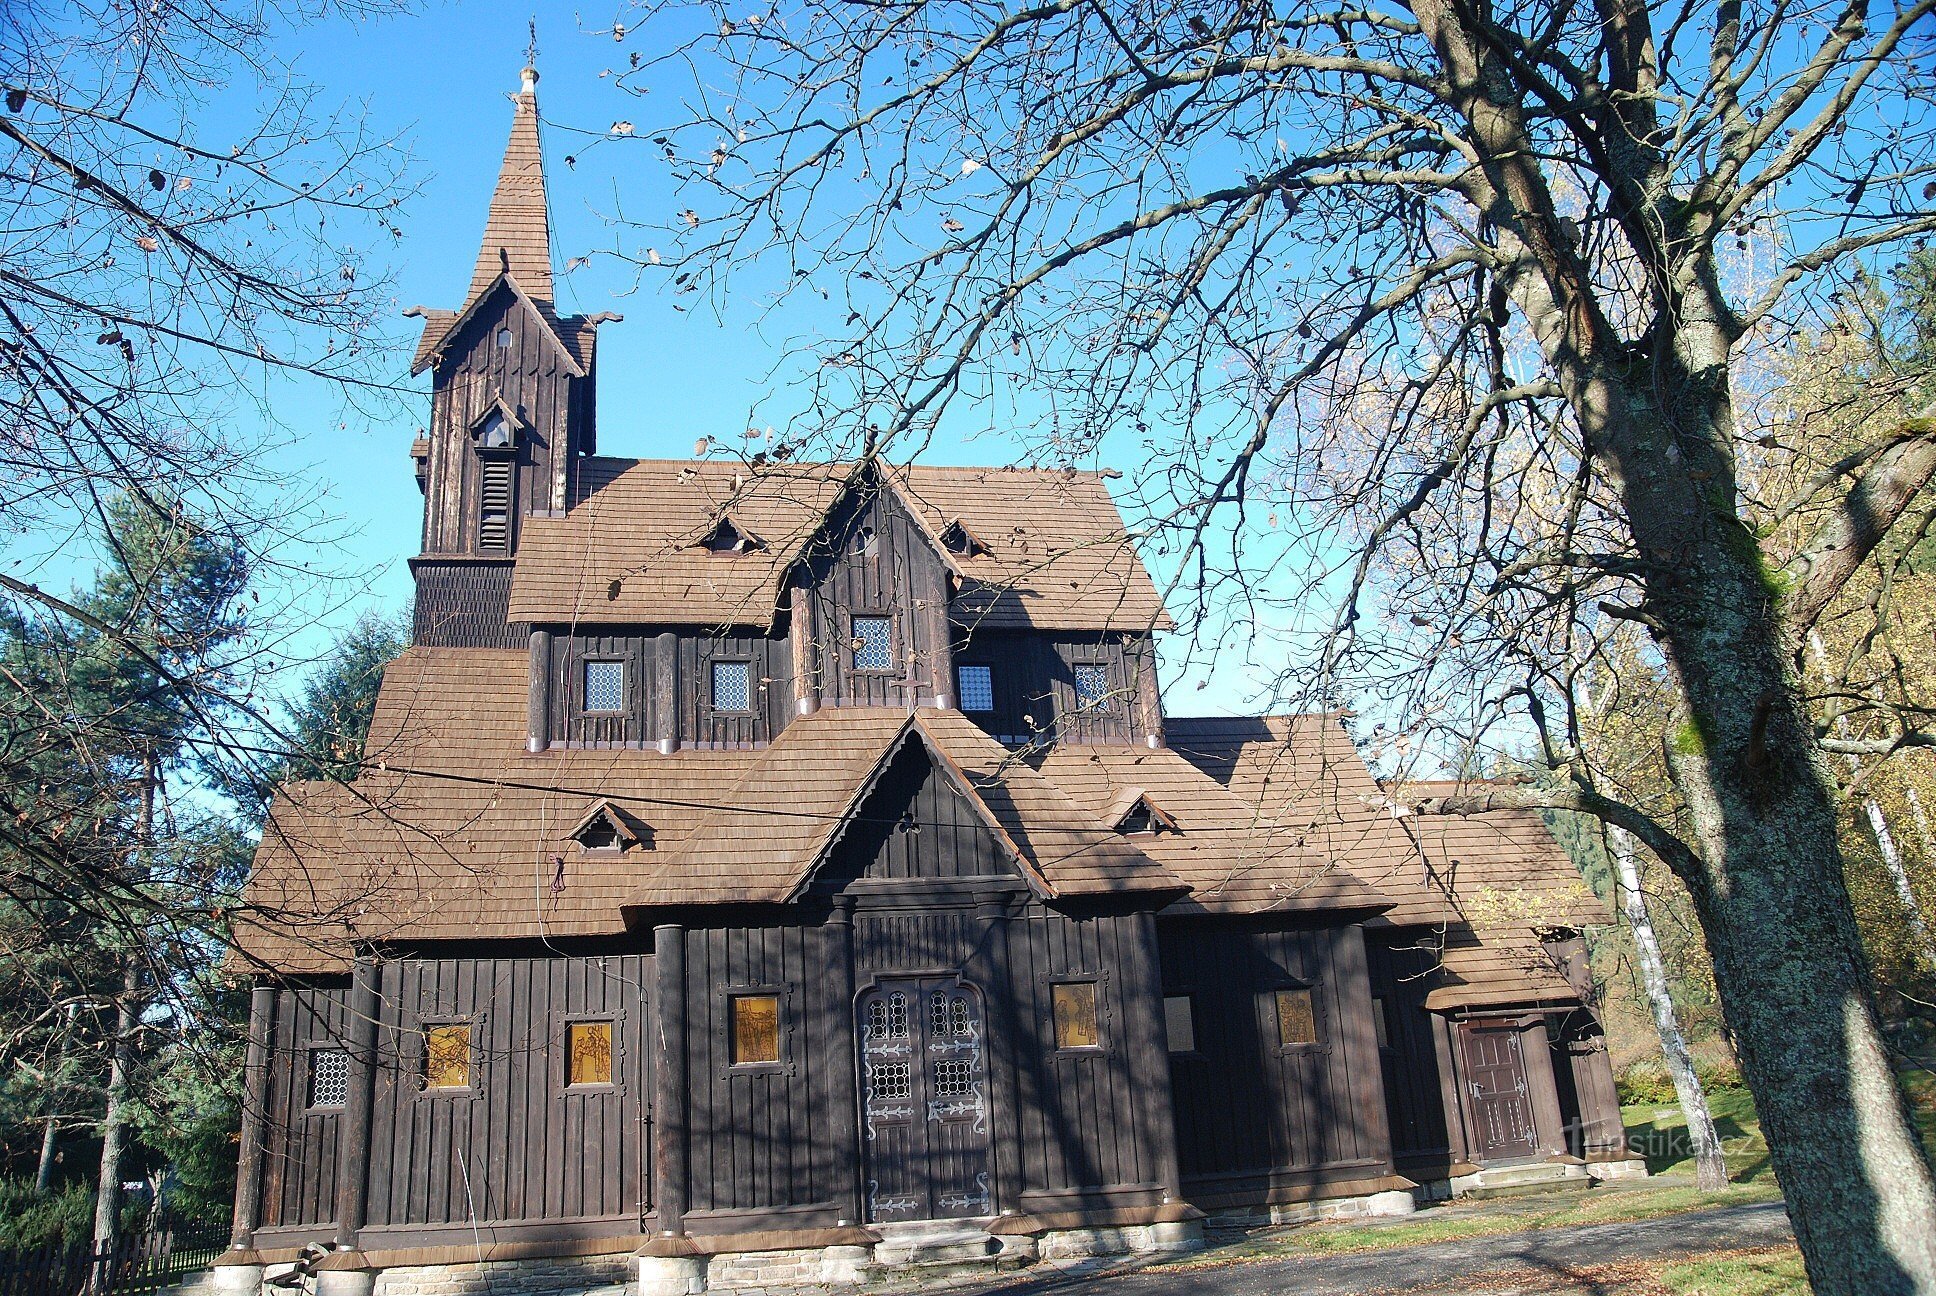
1658,1132
1753,1273
1471,1219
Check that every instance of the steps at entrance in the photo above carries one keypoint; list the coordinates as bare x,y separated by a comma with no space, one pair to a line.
933,1243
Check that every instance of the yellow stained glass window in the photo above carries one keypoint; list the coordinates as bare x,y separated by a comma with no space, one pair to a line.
588,1053
756,1029
447,1056
1297,1020
1075,1015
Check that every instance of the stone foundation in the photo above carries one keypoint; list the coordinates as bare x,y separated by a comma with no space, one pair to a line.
1625,1168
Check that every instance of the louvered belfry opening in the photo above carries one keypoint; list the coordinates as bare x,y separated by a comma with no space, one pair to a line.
494,506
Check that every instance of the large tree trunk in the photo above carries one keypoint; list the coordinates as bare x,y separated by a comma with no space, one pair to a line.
1710,1169
1794,983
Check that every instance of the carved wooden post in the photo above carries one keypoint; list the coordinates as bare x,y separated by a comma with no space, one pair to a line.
800,634
239,1269
842,1048
346,1272
669,1096
666,702
538,706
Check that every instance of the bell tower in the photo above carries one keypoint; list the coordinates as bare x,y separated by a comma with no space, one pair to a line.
511,406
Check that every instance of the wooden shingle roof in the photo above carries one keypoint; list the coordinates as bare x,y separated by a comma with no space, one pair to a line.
1503,868
777,825
1234,859
517,230
1498,968
1300,778
1053,551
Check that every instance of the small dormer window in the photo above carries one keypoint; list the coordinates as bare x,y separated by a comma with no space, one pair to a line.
1092,686
958,539
1141,816
606,829
494,433
728,537
873,643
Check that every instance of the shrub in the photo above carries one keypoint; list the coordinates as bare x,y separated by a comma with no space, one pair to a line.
29,1218
1647,1081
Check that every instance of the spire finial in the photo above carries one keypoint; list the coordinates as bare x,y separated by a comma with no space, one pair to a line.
530,73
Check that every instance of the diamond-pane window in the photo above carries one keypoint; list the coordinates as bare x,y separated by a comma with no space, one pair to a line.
954,1078
1092,686
890,1079
732,686
977,684
329,1077
604,686
873,643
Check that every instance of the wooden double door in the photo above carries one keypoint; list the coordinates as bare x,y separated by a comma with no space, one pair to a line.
1498,1095
925,1120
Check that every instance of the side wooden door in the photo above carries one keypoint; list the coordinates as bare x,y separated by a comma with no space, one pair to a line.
1495,1077
924,1101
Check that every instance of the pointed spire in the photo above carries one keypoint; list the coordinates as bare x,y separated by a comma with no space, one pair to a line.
517,233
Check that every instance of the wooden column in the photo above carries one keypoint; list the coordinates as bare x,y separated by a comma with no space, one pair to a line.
669,1097
538,705
1149,695
840,1048
665,692
1548,1124
1448,1046
1351,973
353,1128
1006,1044
932,604
801,637
255,1105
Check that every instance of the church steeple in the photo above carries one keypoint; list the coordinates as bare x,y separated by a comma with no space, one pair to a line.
517,232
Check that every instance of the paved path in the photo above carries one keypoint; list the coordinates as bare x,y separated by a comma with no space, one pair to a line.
1447,1266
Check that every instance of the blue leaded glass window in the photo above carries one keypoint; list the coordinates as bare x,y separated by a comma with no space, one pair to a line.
604,686
732,686
1092,686
977,685
873,643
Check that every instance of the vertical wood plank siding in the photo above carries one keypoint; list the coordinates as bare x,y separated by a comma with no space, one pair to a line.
643,719
899,577
300,1154
518,1144
1414,1083
1254,1116
530,376
1033,674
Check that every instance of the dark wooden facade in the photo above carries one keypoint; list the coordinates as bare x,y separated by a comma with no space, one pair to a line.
948,1035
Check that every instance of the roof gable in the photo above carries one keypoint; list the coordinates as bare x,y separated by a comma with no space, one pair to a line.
442,329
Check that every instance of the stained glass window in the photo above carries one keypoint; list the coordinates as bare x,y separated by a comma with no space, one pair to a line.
873,643
604,686
329,1077
756,1029
1180,1023
1075,1015
588,1053
447,1056
1297,1020
1092,686
977,685
732,686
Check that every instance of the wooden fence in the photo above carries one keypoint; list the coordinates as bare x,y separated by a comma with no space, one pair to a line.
146,1261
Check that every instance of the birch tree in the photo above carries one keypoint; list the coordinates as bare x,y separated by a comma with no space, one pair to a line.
1422,328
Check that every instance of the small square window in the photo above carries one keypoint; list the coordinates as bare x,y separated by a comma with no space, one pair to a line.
756,1029
329,1077
873,643
1092,686
977,685
1297,1018
1180,1023
604,686
732,686
447,1056
1075,1015
588,1053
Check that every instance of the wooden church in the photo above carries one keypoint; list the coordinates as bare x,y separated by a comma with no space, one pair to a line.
765,875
